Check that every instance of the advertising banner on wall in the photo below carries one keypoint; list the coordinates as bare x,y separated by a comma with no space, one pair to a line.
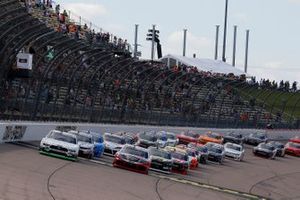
13,133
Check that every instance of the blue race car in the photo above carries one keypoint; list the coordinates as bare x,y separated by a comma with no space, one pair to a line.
98,143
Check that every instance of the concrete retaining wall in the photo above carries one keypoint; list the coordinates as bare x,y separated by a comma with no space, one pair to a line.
32,131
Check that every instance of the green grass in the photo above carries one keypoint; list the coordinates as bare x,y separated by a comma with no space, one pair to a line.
274,101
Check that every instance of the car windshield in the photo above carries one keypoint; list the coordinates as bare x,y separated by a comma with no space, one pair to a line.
202,149
98,139
171,136
214,135
62,137
179,156
266,146
191,134
160,153
83,138
236,135
215,150
114,139
234,147
294,145
163,137
191,153
148,137
277,145
259,135
135,151
129,140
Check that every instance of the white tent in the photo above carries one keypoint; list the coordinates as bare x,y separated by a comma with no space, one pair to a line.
214,66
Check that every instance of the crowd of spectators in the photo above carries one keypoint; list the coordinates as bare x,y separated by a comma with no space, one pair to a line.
273,85
144,94
66,25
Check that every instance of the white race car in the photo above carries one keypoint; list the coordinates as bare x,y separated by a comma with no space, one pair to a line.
113,143
58,144
86,144
234,151
166,139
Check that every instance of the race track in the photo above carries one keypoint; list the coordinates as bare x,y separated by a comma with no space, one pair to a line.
25,174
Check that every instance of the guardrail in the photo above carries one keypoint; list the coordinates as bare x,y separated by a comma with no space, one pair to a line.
34,131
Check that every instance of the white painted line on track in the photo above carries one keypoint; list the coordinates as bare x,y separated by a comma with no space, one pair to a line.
210,187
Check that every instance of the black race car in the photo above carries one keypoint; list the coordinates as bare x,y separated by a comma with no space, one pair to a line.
233,137
265,150
147,139
160,159
216,152
256,138
280,148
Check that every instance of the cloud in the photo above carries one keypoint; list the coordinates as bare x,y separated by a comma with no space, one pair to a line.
195,44
294,1
89,11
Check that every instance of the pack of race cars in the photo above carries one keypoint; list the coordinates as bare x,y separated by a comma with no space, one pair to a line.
162,150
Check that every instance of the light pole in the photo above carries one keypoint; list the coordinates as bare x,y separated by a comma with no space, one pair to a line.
246,51
136,41
234,45
217,42
184,42
225,32
153,42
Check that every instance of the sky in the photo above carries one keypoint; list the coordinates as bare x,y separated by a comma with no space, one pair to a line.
274,45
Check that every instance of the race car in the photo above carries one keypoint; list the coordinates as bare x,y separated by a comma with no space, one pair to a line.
187,137
295,139
86,144
233,137
193,158
211,137
98,143
60,144
216,152
256,138
166,139
280,148
192,153
265,150
202,151
133,158
113,143
160,159
234,151
130,138
147,139
292,148
180,160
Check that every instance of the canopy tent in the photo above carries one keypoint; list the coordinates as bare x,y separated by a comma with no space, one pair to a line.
214,66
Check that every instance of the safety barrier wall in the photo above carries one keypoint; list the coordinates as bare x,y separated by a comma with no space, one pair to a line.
34,131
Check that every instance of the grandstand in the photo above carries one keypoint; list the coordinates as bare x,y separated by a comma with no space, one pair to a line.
80,75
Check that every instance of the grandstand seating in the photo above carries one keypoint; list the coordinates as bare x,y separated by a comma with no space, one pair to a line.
74,79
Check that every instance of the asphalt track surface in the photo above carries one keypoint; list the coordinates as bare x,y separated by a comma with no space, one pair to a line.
25,174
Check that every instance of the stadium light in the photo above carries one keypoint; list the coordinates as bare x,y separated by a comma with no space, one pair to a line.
225,32
154,37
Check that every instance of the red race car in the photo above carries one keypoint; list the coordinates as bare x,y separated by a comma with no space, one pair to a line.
132,158
292,148
187,137
295,139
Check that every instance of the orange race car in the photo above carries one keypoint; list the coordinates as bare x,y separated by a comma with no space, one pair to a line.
211,137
